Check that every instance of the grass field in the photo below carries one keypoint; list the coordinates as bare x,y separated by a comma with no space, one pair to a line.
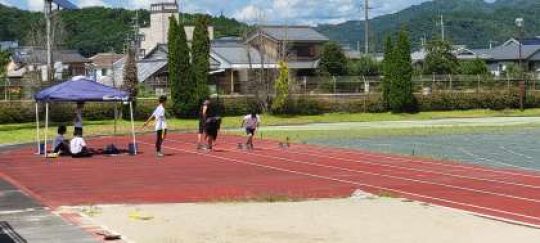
25,132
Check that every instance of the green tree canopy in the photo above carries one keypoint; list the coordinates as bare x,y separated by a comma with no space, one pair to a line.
474,67
281,86
365,66
201,57
4,60
131,80
333,60
440,59
387,68
401,96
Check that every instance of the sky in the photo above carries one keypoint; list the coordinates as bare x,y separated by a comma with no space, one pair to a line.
308,12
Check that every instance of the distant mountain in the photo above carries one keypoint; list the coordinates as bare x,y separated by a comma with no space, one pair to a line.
93,30
468,22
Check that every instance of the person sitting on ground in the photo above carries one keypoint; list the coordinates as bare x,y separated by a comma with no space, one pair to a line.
61,145
251,122
161,124
78,146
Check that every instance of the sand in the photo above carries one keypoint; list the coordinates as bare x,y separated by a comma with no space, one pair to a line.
339,220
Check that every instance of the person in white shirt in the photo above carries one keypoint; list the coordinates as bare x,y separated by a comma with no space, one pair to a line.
78,121
160,124
78,146
251,123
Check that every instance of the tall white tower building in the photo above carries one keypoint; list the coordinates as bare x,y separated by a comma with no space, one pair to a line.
157,32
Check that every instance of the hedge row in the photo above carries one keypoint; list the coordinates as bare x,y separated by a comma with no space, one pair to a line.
19,112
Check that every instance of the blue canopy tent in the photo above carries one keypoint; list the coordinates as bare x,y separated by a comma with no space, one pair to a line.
79,90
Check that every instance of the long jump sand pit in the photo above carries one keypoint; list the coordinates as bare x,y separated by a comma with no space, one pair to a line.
377,220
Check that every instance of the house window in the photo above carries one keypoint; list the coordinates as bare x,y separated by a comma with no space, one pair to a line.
103,72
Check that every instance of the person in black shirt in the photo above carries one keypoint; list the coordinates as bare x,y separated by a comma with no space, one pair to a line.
209,123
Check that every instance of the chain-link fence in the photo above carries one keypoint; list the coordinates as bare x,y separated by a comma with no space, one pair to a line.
328,85
421,84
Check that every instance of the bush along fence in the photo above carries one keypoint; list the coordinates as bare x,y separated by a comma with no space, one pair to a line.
24,111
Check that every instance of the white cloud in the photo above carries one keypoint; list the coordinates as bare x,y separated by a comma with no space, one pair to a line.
35,5
91,3
5,3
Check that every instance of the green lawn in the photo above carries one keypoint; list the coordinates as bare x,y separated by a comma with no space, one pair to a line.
25,132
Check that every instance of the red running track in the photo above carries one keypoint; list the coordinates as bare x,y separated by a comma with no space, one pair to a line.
302,171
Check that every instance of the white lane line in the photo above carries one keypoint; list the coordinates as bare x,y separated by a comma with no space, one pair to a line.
517,154
479,157
413,160
319,155
387,176
440,200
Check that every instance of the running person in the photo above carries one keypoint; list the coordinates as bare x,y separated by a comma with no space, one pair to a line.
251,123
160,124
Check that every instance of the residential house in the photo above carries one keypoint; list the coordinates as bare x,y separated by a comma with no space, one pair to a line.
498,58
30,64
300,46
101,67
28,68
501,57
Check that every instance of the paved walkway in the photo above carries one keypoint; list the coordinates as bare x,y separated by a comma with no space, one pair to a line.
22,219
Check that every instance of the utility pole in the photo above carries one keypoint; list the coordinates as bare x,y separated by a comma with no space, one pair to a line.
366,26
443,31
48,20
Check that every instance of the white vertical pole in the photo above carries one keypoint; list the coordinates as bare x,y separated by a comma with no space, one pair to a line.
46,126
37,128
133,127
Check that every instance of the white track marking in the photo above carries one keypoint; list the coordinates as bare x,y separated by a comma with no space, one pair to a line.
413,160
440,200
388,176
319,155
478,157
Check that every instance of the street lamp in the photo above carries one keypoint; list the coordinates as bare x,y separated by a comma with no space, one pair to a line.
520,23
522,87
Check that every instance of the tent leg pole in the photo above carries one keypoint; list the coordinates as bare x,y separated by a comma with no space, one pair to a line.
115,118
46,127
133,127
38,139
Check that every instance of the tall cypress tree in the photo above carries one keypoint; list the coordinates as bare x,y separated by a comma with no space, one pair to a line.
180,78
388,63
174,65
401,89
201,56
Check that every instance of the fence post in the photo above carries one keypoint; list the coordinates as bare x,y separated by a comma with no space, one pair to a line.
508,81
478,84
334,80
433,83
451,86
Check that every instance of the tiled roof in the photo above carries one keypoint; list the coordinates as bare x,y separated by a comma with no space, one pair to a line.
237,53
294,33
29,55
105,60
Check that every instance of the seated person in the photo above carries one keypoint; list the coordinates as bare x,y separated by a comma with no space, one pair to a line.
60,144
78,146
